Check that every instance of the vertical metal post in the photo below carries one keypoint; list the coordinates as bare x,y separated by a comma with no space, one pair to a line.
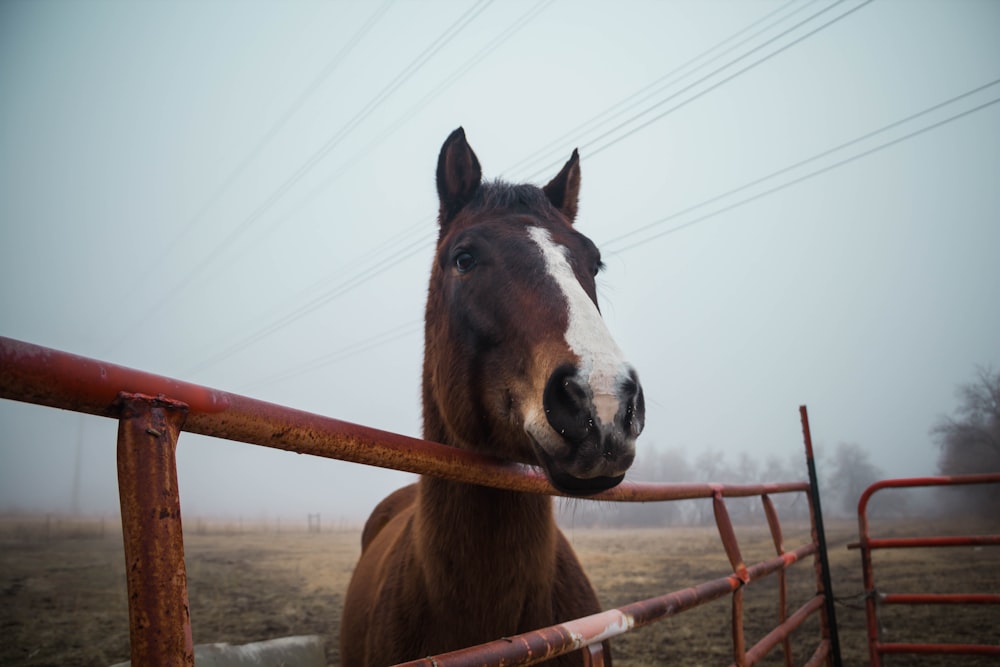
593,655
771,512
729,542
868,581
159,617
825,580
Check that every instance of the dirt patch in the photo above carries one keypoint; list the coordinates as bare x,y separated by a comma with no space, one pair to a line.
63,598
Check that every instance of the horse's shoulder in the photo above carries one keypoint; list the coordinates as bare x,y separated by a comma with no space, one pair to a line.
385,511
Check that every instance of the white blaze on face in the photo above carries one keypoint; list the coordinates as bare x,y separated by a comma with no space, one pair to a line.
602,365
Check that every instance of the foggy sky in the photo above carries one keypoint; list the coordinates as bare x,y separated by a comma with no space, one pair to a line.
242,196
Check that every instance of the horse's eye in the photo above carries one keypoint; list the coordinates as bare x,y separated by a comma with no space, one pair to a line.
464,262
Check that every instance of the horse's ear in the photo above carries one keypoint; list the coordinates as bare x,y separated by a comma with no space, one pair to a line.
564,190
458,175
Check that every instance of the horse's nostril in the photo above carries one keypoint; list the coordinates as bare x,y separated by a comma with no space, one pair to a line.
635,414
566,404
629,389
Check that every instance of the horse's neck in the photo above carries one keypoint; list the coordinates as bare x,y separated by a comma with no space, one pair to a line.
482,528
475,543
496,536
459,513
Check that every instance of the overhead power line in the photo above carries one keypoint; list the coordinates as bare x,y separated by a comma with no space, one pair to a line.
402,331
378,340
629,126
345,130
467,65
353,281
262,143
424,230
795,181
292,109
356,280
688,67
408,115
412,68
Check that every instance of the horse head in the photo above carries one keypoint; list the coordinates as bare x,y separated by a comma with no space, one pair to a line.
518,360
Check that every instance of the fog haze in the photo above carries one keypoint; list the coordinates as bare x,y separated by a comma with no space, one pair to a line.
797,204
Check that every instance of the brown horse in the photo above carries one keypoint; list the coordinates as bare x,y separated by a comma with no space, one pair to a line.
518,364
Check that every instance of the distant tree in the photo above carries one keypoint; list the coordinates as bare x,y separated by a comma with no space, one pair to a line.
851,472
970,440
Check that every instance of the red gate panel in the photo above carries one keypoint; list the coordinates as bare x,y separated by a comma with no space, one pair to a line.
875,598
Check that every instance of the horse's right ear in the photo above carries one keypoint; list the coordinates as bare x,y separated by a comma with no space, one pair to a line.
458,175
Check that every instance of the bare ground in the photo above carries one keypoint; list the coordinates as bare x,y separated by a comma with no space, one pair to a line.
63,598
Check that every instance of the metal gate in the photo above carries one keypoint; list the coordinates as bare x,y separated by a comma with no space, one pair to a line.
875,598
152,411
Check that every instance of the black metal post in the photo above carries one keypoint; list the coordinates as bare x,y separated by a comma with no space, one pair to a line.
831,612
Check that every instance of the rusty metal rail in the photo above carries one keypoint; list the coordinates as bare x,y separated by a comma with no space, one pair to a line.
35,374
874,598
152,410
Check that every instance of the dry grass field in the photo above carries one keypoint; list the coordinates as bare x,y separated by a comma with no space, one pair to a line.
64,601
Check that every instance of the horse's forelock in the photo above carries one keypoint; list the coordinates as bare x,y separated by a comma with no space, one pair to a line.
515,198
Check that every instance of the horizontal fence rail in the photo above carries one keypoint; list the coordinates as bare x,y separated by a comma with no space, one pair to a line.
152,410
874,598
34,374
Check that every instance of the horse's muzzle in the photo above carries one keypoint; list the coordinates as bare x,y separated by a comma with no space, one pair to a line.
593,429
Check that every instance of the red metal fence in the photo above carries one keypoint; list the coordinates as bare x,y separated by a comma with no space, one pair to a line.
152,411
874,598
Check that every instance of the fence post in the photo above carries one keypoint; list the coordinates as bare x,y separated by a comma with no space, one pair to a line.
825,580
159,617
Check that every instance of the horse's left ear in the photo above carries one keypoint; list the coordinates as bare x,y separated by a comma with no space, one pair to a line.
564,190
